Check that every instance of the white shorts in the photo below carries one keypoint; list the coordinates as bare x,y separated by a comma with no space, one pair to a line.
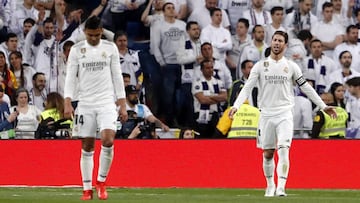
275,131
88,119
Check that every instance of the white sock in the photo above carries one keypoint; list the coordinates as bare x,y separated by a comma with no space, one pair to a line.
86,167
268,168
283,166
105,159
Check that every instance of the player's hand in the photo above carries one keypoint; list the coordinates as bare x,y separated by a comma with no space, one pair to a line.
123,115
68,110
232,112
330,110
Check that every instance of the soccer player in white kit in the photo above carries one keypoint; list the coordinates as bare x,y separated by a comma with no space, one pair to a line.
275,76
96,64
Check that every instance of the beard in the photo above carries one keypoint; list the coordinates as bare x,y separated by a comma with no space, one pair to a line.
134,101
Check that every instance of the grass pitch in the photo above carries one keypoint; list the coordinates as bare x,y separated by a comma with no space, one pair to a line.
69,195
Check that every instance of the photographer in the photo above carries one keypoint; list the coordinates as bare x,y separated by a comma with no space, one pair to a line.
141,123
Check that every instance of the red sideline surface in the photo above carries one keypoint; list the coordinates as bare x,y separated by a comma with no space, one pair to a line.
322,164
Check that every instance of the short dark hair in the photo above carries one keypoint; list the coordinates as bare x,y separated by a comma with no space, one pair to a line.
314,41
126,75
119,33
10,35
350,27
213,10
327,5
343,52
276,8
29,20
282,33
93,23
243,64
304,35
254,28
190,23
165,4
35,76
67,44
204,44
48,20
245,21
355,81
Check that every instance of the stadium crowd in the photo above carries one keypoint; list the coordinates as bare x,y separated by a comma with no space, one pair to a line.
187,59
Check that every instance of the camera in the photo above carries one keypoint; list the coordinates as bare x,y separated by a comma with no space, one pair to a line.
147,128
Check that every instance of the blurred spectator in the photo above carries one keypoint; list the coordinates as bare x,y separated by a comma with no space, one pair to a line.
28,115
286,5
237,85
38,92
298,48
345,71
338,90
277,17
7,77
124,11
54,111
330,33
4,97
353,104
302,111
235,10
218,36
22,72
126,78
208,93
26,10
343,13
7,120
129,59
257,15
239,41
202,14
256,49
187,133
352,45
165,46
28,24
63,58
220,70
318,67
142,117
10,45
180,8
189,56
326,127
5,16
301,18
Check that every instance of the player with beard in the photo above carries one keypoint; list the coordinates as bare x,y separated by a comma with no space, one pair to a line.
141,110
275,76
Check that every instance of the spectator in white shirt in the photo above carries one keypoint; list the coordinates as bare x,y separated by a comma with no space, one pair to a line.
218,36
326,30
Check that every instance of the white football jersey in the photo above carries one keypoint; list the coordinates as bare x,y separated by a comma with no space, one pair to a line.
99,73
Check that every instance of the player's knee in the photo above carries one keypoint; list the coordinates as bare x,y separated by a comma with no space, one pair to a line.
268,154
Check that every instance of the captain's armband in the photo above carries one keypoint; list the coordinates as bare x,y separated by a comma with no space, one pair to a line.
300,81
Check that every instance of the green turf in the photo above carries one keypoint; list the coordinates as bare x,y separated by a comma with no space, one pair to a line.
68,195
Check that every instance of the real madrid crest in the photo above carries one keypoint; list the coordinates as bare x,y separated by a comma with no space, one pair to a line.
103,54
266,65
83,51
286,70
